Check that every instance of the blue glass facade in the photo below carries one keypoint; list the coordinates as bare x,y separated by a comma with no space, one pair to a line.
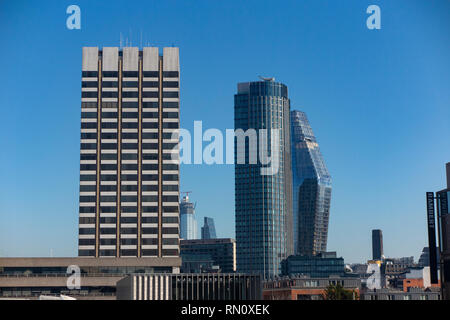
208,229
263,204
188,223
323,265
311,189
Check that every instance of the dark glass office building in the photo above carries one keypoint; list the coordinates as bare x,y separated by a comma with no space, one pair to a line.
263,204
208,229
311,189
377,244
201,255
322,265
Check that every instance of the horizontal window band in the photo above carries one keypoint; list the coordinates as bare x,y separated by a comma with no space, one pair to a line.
89,74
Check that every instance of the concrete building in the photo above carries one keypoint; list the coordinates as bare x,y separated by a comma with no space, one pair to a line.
218,286
32,277
392,294
306,288
129,174
311,186
188,223
263,191
394,267
418,277
200,255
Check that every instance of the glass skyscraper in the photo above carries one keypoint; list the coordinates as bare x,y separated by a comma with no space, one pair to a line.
208,229
263,204
311,189
188,223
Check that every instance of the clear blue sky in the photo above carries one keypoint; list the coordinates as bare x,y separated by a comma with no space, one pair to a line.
378,102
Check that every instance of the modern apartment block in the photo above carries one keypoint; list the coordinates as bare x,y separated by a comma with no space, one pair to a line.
311,189
129,173
263,204
188,223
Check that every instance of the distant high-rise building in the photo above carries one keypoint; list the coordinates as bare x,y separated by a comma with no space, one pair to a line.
188,223
263,204
129,201
377,244
311,189
208,229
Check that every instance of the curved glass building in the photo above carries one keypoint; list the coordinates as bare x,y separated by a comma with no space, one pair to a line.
263,204
311,189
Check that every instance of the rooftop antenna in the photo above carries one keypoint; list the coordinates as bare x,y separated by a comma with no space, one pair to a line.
121,40
140,44
131,37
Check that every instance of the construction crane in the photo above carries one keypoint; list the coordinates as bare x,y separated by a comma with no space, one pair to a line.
187,194
187,197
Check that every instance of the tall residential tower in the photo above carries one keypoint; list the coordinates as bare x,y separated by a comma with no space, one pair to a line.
188,223
129,173
263,205
311,189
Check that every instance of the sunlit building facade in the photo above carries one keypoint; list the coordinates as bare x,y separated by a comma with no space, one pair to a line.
311,189
188,223
263,205
129,177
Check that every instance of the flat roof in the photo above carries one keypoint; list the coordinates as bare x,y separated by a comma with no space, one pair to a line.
91,262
